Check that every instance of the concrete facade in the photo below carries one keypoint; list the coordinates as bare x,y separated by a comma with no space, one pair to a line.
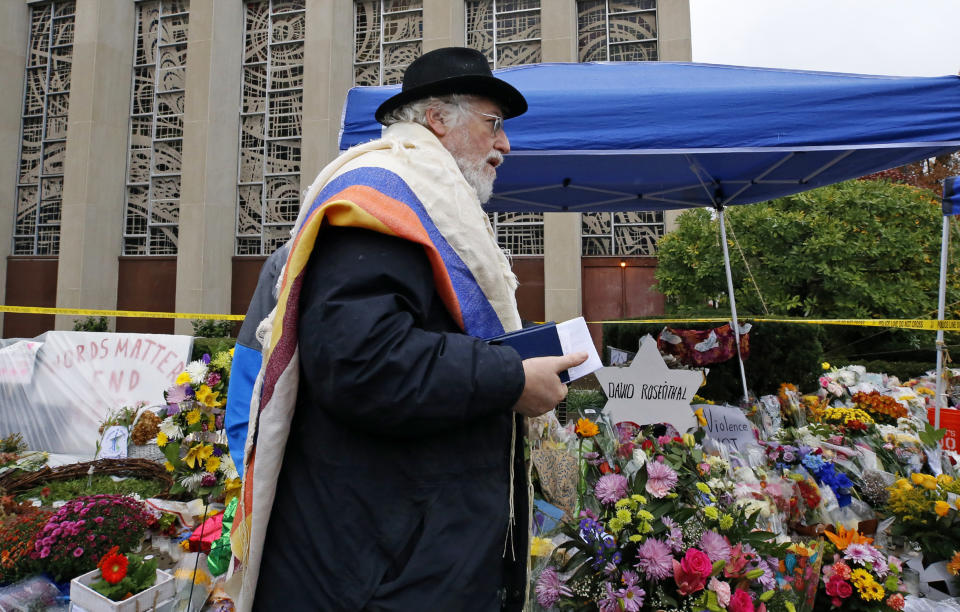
94,196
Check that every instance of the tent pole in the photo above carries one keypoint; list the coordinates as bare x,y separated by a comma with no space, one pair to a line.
733,302
940,397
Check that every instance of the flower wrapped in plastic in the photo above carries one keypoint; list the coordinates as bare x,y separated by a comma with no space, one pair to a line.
861,577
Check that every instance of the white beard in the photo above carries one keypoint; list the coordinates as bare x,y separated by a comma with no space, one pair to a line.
477,172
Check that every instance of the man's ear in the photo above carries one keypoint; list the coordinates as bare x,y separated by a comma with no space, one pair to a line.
436,123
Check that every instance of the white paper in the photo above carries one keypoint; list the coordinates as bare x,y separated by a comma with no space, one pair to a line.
575,337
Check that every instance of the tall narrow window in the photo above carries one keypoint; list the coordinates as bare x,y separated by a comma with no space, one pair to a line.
43,129
508,33
268,182
156,128
388,35
618,31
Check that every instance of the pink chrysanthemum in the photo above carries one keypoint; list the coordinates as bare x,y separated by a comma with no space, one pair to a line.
715,545
660,479
611,488
550,587
654,559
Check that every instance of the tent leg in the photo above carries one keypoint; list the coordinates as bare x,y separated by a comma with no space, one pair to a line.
940,397
733,302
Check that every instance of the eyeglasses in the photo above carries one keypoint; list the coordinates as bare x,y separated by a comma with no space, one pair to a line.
497,124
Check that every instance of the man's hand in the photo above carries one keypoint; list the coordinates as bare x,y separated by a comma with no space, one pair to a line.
543,390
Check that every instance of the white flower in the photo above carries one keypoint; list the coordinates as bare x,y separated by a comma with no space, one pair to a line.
847,378
197,370
191,482
170,429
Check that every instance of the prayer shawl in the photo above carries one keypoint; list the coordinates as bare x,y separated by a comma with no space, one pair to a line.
406,185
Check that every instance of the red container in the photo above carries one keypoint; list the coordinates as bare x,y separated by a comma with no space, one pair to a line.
949,420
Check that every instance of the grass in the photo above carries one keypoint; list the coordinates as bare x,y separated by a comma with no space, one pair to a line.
66,490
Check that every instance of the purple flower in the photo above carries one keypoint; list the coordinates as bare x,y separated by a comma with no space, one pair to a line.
610,602
674,537
213,378
611,488
550,587
217,451
715,545
660,479
98,520
654,559
208,480
631,596
77,552
206,358
45,552
177,394
172,409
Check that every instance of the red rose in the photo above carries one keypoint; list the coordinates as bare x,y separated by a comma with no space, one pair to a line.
697,562
740,602
844,589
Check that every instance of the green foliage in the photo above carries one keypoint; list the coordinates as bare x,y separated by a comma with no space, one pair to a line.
210,346
91,324
779,353
57,490
859,249
141,575
212,328
13,444
579,400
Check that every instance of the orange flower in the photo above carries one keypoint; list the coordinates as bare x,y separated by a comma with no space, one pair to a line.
954,566
844,538
586,428
113,566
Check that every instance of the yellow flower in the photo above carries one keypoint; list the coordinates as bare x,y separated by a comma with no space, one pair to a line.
161,439
702,420
183,378
689,440
644,515
208,396
726,521
615,525
711,513
945,479
902,483
825,365
871,591
860,577
586,428
702,487
168,465
941,508
540,547
212,463
198,453
193,417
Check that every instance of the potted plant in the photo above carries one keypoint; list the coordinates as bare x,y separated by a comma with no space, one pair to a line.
123,583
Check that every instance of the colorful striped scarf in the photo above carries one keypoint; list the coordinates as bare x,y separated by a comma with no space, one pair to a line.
406,185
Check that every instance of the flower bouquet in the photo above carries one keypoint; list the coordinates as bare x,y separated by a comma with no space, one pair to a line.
191,435
926,514
652,535
861,577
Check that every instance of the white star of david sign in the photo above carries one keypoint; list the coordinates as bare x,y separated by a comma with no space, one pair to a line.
647,391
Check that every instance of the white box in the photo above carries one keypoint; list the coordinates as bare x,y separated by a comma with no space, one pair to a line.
158,598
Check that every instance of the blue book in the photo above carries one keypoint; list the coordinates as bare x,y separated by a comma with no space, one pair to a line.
535,341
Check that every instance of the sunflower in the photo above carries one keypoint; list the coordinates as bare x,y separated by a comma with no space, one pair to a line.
586,428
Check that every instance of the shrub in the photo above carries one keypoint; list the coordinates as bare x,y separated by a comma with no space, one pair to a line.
91,324
82,531
18,533
212,328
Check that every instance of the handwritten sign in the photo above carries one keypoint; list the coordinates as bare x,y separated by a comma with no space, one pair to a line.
79,377
17,361
728,425
647,391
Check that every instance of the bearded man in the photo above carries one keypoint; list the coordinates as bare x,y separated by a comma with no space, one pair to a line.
382,462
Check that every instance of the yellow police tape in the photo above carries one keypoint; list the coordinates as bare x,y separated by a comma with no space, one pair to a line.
924,324
119,313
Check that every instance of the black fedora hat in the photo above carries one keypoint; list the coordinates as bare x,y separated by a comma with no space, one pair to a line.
454,70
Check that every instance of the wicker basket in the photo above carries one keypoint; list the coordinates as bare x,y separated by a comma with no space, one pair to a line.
146,451
15,482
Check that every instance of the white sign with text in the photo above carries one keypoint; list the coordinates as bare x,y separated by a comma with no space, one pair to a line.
728,425
647,391
79,377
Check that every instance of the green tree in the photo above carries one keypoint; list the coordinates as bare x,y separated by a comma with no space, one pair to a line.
859,249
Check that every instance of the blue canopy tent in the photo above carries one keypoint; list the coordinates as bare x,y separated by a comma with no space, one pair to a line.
630,136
